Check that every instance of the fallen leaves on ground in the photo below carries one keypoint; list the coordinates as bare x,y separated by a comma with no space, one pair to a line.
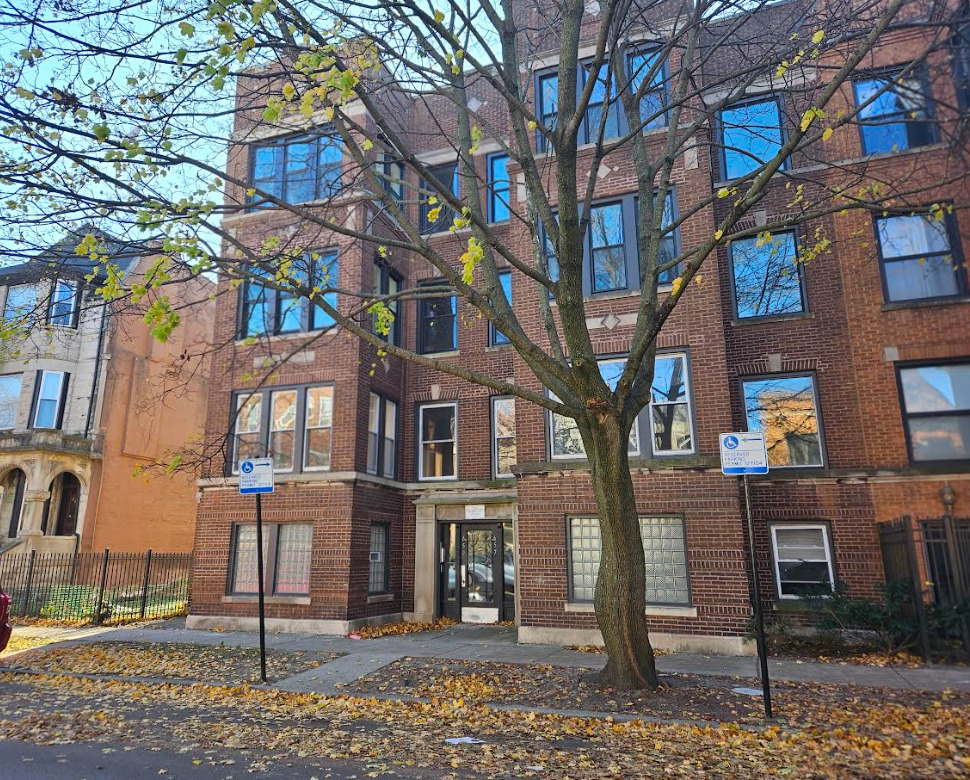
400,629
876,736
18,643
204,663
880,659
600,650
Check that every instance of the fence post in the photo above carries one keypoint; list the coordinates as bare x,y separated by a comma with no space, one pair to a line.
957,577
924,630
104,582
25,610
144,587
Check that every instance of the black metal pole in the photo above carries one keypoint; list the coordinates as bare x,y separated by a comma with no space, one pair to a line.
262,595
759,619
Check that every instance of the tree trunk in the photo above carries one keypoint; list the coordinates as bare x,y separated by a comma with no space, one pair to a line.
620,586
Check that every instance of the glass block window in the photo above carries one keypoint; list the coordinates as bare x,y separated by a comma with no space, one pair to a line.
377,581
244,575
665,554
293,550
803,559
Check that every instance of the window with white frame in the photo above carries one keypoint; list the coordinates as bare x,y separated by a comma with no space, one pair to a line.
438,444
318,423
379,562
785,409
63,304
287,551
503,435
382,436
282,429
249,418
803,559
664,540
10,385
50,397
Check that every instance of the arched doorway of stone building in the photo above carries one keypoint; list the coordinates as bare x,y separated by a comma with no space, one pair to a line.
63,505
12,488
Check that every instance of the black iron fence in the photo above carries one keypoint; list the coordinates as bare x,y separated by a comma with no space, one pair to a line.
929,559
97,587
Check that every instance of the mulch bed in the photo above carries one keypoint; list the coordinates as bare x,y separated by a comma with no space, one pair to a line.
217,664
683,697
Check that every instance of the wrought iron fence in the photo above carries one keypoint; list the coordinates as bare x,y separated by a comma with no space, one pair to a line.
97,587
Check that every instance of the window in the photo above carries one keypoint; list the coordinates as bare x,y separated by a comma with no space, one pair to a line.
20,303
785,409
664,549
960,47
936,411
503,436
9,399
893,113
268,311
438,445
654,100
666,422
668,249
751,136
499,187
606,247
63,304
287,550
447,177
318,423
50,395
549,252
296,170
266,421
391,174
282,429
602,99
378,579
916,259
767,276
382,436
803,559
388,282
495,337
547,88
437,323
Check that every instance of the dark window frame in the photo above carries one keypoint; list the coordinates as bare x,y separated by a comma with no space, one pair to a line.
495,337
493,434
75,301
780,103
265,411
494,193
419,441
282,143
956,254
386,527
383,274
816,395
383,401
802,283
421,303
889,74
773,553
443,222
271,533
899,367
61,402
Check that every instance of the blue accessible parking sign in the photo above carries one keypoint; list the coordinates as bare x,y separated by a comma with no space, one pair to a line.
256,476
743,453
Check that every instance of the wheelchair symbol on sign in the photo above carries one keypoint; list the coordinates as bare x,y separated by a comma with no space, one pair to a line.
247,466
731,442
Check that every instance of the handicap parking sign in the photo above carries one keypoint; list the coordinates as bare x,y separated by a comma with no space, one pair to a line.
744,453
256,476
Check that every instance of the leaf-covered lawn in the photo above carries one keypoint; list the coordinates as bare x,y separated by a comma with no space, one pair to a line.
204,663
888,740
18,643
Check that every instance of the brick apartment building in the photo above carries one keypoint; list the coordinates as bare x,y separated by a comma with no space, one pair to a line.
403,492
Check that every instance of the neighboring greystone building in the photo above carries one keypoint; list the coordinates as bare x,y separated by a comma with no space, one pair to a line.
396,494
83,404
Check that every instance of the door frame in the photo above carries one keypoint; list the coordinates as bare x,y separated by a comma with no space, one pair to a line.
453,609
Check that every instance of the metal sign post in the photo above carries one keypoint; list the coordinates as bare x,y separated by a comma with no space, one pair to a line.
743,454
256,477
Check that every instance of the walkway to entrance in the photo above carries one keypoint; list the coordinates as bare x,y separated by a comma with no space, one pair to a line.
497,643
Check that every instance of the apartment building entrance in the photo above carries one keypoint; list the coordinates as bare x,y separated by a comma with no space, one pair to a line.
477,572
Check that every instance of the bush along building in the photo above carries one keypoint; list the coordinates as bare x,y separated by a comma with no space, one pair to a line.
404,492
81,406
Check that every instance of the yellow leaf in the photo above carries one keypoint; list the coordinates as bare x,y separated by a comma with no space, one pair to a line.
367,145
439,17
827,134
723,192
818,36
718,234
532,124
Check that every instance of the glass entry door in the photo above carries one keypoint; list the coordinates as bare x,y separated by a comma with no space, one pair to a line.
477,574
479,547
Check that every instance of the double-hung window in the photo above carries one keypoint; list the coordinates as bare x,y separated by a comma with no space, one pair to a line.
387,282
437,322
495,336
438,442
20,302
917,260
382,436
602,118
547,89
503,435
767,276
296,170
960,49
666,422
499,187
378,579
643,64
803,559
266,311
63,308
287,551
10,385
435,214
391,173
936,411
750,136
607,248
894,113
291,425
665,555
50,398
785,409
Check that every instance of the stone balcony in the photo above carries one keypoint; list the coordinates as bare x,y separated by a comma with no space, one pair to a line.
50,441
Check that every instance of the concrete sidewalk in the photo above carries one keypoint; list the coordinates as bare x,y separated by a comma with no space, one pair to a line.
498,643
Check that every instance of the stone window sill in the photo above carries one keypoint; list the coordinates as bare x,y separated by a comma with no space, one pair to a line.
927,304
651,611
298,600
380,598
806,315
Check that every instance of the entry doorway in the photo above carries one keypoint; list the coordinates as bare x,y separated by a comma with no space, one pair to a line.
477,572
